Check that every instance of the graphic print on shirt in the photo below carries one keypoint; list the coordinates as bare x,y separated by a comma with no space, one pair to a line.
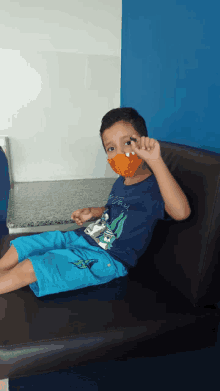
105,234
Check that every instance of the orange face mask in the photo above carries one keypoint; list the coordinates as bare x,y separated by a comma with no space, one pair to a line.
124,165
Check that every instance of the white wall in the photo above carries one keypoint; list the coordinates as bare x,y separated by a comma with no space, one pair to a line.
60,73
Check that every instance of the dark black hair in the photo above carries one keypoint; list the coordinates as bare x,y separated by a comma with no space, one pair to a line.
125,114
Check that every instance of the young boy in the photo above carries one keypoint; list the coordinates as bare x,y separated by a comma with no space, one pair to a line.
53,262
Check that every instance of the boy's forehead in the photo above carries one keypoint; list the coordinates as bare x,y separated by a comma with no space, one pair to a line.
120,131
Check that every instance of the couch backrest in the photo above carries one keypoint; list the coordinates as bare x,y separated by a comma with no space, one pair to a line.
186,253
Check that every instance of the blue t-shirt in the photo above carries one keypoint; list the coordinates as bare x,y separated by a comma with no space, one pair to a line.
126,226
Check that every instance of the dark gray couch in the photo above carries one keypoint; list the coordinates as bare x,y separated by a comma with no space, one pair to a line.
167,304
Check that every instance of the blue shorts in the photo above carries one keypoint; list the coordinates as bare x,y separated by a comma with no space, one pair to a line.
65,261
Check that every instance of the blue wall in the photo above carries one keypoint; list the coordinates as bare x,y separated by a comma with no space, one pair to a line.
170,70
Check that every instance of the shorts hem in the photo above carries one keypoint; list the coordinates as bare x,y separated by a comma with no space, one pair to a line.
37,287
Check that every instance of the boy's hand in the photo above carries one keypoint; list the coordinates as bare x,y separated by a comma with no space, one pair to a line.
80,216
147,149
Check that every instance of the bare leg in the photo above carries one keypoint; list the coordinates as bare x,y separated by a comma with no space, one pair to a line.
21,275
9,260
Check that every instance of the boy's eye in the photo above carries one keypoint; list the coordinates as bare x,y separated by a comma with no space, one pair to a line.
125,143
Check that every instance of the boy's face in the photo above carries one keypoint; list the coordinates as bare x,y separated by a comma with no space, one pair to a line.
117,139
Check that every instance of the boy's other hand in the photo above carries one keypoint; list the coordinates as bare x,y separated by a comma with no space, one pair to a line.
80,216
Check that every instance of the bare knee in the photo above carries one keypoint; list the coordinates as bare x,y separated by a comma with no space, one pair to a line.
26,271
9,259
